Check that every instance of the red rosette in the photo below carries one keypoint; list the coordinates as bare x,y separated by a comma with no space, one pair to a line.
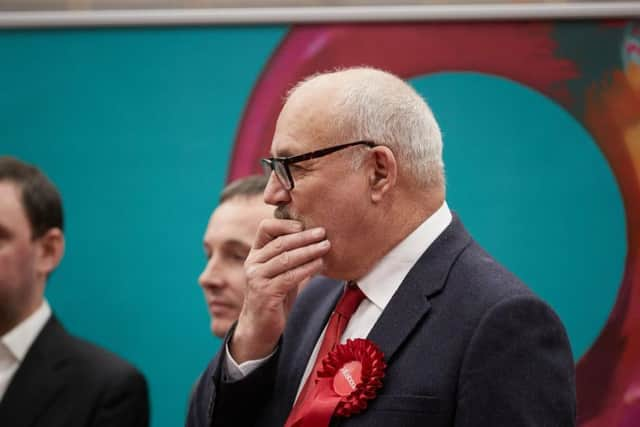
370,359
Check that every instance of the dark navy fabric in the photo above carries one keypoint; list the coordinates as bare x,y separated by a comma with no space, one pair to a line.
64,381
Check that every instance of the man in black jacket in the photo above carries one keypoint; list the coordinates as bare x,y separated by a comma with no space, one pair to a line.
358,180
49,378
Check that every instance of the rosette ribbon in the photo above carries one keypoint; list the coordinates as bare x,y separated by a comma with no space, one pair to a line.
350,376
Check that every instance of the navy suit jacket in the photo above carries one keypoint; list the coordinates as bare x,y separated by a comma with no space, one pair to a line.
67,382
466,343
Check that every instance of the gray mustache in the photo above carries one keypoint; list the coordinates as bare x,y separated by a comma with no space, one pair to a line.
282,212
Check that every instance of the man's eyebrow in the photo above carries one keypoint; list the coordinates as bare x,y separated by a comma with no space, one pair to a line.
283,153
233,243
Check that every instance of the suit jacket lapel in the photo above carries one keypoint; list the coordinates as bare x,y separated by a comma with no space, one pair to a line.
309,332
37,380
411,302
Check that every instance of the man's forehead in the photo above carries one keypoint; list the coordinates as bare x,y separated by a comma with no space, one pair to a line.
302,135
237,218
306,122
11,209
11,194
241,211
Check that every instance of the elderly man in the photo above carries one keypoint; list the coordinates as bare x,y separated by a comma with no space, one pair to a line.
47,376
452,338
227,242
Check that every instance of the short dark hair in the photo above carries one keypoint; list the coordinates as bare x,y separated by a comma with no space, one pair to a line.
40,197
250,186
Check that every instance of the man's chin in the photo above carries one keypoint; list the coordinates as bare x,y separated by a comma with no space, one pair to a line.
337,269
219,329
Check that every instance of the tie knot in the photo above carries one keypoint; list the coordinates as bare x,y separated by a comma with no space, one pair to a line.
351,299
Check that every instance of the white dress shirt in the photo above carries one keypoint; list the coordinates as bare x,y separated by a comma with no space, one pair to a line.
15,344
390,271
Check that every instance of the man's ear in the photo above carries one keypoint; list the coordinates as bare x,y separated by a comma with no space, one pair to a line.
50,251
384,172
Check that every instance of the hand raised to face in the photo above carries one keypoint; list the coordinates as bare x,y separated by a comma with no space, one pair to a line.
283,258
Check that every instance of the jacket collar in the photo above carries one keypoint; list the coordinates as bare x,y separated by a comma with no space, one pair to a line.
411,302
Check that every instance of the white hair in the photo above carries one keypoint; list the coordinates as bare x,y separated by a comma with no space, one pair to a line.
377,106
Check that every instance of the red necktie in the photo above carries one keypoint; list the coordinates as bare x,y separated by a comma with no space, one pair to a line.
347,305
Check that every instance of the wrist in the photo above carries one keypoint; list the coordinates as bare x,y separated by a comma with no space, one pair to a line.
246,345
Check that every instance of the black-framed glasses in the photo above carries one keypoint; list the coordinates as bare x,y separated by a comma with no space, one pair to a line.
280,165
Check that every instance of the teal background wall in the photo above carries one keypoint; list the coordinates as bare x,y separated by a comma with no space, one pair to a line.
534,189
136,128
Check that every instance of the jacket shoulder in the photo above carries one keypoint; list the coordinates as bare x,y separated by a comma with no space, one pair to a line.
94,360
483,279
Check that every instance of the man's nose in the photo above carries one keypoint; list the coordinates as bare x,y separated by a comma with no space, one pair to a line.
275,193
211,276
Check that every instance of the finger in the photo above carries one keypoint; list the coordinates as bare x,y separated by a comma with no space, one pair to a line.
294,258
288,242
290,280
271,228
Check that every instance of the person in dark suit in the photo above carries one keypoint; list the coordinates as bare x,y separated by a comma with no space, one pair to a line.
452,337
227,241
47,376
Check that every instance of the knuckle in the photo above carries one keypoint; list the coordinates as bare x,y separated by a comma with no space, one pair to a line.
278,244
304,238
288,277
250,271
285,258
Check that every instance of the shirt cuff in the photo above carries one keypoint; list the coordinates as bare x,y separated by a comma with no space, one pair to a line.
237,372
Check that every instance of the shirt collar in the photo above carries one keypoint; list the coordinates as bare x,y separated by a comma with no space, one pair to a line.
19,339
385,278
